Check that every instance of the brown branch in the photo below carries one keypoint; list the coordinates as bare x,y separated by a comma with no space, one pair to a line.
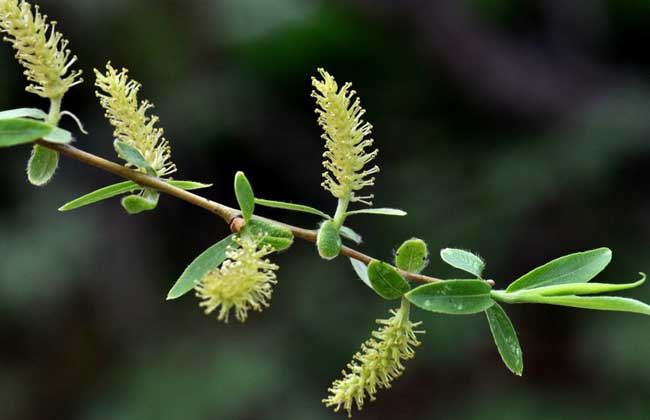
228,214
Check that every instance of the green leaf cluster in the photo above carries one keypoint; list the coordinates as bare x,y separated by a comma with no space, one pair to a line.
565,280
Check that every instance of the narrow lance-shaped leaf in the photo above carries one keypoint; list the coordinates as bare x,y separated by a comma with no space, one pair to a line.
22,131
412,256
187,185
598,303
209,259
291,206
455,297
380,211
23,113
42,165
505,337
362,271
583,288
101,194
574,268
463,260
386,281
123,188
245,196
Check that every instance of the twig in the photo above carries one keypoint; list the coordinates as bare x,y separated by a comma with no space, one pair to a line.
228,214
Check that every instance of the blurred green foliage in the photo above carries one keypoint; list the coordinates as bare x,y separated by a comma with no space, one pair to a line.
516,177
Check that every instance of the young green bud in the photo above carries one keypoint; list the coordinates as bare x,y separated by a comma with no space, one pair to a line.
136,204
42,165
412,256
328,241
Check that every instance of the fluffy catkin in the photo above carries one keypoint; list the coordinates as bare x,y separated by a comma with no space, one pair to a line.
378,363
119,97
40,49
346,140
243,282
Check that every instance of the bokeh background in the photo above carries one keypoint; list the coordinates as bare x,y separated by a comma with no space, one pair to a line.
518,130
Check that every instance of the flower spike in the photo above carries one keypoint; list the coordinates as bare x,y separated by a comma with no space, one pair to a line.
346,140
39,48
378,363
243,282
119,97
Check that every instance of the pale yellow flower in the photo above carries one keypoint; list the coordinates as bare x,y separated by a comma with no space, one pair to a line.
243,282
39,48
119,97
378,363
346,140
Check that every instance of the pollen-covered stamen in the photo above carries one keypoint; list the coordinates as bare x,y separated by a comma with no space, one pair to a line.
119,97
243,282
378,363
345,135
40,49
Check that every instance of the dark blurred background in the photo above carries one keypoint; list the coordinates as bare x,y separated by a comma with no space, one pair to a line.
518,130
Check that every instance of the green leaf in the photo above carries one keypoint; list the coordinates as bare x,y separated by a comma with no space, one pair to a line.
598,303
101,194
463,260
133,156
505,337
291,206
209,259
386,281
136,204
23,113
381,211
59,136
348,233
245,195
574,268
328,240
362,271
412,256
278,237
584,288
42,165
21,131
455,297
123,188
187,185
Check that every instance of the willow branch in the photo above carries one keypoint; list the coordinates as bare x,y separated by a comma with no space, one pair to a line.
229,215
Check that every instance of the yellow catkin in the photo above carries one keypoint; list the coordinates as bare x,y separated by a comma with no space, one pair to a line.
346,140
377,364
119,97
243,282
40,49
